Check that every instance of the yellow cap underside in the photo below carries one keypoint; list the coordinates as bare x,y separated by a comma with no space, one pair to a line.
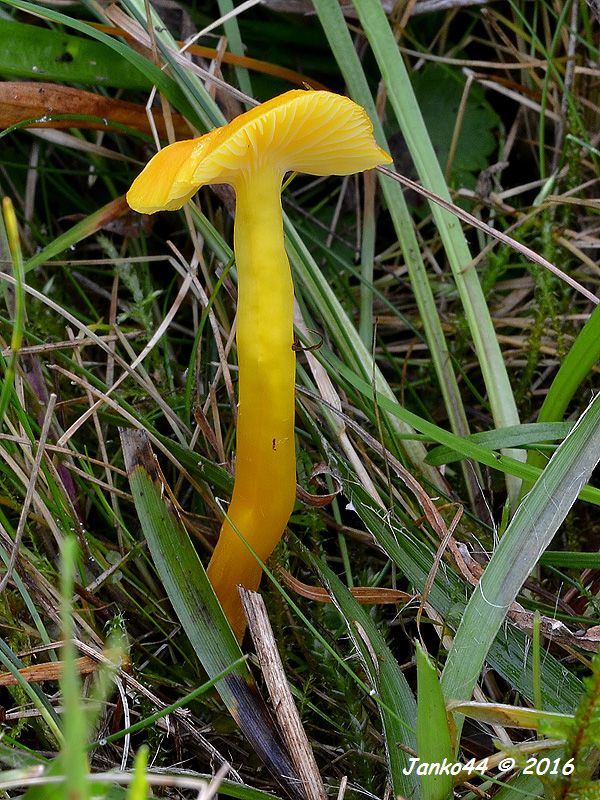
318,133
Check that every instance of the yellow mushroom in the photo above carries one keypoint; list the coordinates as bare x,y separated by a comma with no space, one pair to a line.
319,133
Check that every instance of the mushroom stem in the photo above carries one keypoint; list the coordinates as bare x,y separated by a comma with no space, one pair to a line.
318,133
265,472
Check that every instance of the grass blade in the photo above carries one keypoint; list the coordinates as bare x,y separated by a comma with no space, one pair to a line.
408,114
73,755
433,735
386,678
9,240
315,285
234,38
510,654
528,535
199,612
502,438
464,446
578,362
139,789
338,35
580,359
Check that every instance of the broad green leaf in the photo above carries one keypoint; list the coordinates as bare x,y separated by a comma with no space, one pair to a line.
571,560
31,51
437,86
131,59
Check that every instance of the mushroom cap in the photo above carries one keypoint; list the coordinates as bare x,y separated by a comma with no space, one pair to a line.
318,133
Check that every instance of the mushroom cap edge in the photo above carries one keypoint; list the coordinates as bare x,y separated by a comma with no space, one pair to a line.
313,132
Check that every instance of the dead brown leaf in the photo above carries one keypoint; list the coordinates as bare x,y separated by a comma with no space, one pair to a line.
365,595
50,671
42,102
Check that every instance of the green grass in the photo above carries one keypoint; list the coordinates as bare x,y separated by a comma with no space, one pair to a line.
447,412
